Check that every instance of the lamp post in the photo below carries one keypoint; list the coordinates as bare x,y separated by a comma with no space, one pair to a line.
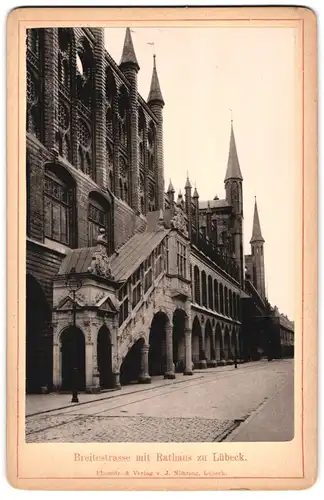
74,284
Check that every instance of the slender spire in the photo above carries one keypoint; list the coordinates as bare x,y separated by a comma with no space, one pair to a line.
256,231
195,193
233,166
155,90
188,185
128,55
170,188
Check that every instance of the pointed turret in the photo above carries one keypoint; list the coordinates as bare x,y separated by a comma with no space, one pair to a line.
170,194
256,230
188,185
195,194
257,241
170,188
128,55
233,166
155,94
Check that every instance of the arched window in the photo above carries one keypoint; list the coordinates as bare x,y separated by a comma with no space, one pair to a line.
110,95
216,296
85,145
64,130
123,169
109,171
230,303
204,288
59,205
141,136
151,140
197,285
99,216
238,311
234,305
65,57
142,192
221,298
226,300
151,197
210,293
85,69
123,112
34,75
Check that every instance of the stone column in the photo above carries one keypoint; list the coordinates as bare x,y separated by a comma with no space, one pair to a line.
169,353
188,353
222,361
230,360
212,361
95,371
57,374
89,366
116,380
144,377
202,353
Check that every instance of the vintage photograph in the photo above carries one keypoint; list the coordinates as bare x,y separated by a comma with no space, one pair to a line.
160,251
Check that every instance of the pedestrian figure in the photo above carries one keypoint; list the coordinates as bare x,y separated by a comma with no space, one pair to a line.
75,398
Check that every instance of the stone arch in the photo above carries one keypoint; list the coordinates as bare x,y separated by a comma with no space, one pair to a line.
157,341
38,343
227,343
219,348
179,321
131,367
104,358
198,353
209,343
72,348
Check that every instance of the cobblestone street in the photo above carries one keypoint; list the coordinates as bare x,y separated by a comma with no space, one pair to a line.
203,408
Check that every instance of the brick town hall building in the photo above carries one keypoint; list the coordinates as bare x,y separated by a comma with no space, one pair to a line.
123,281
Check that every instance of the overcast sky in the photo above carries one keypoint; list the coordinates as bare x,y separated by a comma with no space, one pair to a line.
203,73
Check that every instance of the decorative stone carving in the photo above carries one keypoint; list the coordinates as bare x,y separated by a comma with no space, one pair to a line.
100,264
179,222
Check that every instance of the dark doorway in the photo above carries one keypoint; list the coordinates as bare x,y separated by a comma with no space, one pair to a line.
157,341
219,343
73,356
227,344
178,338
104,358
39,350
130,369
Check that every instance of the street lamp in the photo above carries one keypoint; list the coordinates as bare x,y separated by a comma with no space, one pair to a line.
74,284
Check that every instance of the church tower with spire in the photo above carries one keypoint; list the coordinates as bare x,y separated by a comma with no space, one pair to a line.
130,68
156,103
257,242
234,196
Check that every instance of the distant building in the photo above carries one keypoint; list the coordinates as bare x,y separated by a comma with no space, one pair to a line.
123,281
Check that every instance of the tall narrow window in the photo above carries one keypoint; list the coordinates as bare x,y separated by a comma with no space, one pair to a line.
210,293
216,296
230,303
197,285
221,298
204,288
226,300
123,298
99,216
181,259
58,199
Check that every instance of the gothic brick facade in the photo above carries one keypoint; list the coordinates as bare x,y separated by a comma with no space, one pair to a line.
161,281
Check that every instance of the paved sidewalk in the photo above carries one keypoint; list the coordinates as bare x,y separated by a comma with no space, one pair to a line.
273,421
38,403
